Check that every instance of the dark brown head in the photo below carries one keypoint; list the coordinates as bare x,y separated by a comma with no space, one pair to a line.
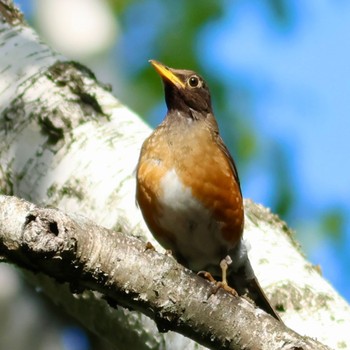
185,90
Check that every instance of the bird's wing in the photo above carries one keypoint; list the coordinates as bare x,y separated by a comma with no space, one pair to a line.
225,150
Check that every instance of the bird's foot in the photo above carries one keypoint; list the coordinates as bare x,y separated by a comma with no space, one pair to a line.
226,287
218,284
208,276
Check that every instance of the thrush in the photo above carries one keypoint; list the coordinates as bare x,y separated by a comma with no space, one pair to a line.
188,187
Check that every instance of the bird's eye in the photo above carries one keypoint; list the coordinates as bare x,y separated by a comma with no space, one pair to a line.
193,81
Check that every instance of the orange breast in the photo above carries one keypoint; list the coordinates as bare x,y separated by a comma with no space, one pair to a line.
207,171
203,212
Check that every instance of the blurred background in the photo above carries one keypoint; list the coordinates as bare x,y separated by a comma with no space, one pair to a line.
279,73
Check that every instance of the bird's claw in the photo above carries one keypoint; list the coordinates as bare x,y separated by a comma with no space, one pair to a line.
149,246
218,284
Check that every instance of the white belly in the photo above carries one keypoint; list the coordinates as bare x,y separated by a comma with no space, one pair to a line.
197,234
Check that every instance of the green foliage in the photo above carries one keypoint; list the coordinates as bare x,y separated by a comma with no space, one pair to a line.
333,222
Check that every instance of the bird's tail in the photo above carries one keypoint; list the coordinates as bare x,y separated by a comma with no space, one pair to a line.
245,283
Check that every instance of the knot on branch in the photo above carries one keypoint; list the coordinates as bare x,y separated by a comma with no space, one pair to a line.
44,233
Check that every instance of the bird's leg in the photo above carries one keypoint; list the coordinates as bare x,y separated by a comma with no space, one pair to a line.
224,266
224,263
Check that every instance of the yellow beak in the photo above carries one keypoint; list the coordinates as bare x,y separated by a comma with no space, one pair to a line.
167,74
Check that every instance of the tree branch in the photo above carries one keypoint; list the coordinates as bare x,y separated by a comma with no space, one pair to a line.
128,273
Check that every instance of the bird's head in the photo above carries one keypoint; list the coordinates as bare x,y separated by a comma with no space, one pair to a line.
185,90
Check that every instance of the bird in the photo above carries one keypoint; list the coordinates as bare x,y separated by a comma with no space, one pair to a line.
188,189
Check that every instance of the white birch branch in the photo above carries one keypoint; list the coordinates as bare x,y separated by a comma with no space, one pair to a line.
128,273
